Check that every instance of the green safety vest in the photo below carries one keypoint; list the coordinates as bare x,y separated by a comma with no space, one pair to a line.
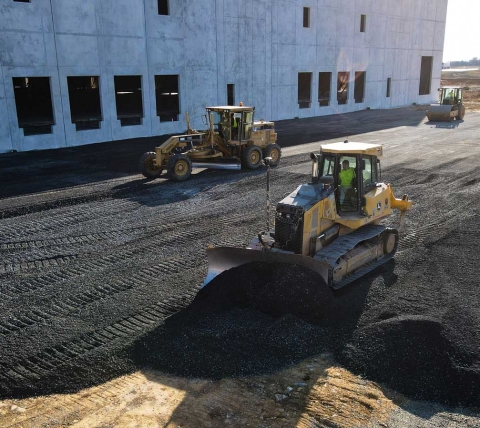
235,124
346,177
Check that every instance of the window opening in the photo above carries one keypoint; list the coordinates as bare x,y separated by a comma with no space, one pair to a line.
247,124
389,83
363,23
85,108
167,97
328,166
347,184
163,7
342,87
369,173
306,17
304,90
33,101
128,98
324,84
359,89
425,75
22,1
230,94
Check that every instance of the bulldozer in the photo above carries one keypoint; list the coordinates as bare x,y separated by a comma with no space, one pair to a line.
450,106
330,225
233,140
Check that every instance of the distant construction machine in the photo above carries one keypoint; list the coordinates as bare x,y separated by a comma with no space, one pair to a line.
450,106
330,225
233,140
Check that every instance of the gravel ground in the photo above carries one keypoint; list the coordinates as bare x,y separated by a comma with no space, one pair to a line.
95,259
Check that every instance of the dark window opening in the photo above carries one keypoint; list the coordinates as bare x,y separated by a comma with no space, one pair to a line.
342,87
128,97
306,17
304,90
22,1
324,83
359,89
230,94
85,108
166,93
33,100
425,75
363,23
389,83
163,7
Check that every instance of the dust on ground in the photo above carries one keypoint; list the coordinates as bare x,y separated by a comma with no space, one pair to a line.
311,393
470,79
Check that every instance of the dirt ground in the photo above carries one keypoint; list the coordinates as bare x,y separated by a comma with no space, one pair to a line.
94,260
470,79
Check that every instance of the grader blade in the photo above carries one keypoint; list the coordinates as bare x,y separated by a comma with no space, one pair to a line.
221,259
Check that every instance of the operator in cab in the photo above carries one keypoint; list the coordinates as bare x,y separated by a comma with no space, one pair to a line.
346,179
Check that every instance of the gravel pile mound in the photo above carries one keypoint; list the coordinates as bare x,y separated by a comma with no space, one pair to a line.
262,317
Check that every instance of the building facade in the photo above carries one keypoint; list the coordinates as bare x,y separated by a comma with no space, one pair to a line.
79,72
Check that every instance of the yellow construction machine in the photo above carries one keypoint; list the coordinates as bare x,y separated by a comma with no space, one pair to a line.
233,140
450,106
330,225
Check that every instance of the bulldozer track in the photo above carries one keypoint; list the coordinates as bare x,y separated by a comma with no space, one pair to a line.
39,365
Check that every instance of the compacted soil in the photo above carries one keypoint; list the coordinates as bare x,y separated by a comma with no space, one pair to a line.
100,271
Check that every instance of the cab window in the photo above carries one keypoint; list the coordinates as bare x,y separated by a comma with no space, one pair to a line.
328,166
369,171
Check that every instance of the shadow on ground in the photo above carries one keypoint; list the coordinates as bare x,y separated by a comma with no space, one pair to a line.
39,171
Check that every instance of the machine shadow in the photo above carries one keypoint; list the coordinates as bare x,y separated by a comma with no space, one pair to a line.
155,192
445,125
46,170
233,340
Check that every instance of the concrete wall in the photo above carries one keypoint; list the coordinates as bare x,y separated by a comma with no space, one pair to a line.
260,46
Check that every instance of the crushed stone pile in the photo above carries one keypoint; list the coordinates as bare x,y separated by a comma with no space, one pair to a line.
261,317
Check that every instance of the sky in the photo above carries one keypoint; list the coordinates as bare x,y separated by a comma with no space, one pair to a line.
462,32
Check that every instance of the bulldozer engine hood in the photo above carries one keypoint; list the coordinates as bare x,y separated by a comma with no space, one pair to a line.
303,197
290,215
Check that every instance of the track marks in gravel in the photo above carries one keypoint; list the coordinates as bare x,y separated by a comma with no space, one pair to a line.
51,358
67,304
36,264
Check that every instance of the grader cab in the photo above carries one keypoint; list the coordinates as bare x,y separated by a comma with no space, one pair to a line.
233,140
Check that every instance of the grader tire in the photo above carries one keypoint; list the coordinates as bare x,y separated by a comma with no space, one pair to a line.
252,157
179,168
147,166
273,151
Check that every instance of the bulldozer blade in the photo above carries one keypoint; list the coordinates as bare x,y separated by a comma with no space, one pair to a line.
221,259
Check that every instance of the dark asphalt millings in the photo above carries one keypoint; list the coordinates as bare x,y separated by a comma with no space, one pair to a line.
100,269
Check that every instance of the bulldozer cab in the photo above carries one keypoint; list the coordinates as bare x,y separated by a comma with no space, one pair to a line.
355,169
233,124
450,96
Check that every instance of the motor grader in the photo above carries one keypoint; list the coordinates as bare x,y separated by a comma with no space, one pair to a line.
233,140
450,106
328,225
